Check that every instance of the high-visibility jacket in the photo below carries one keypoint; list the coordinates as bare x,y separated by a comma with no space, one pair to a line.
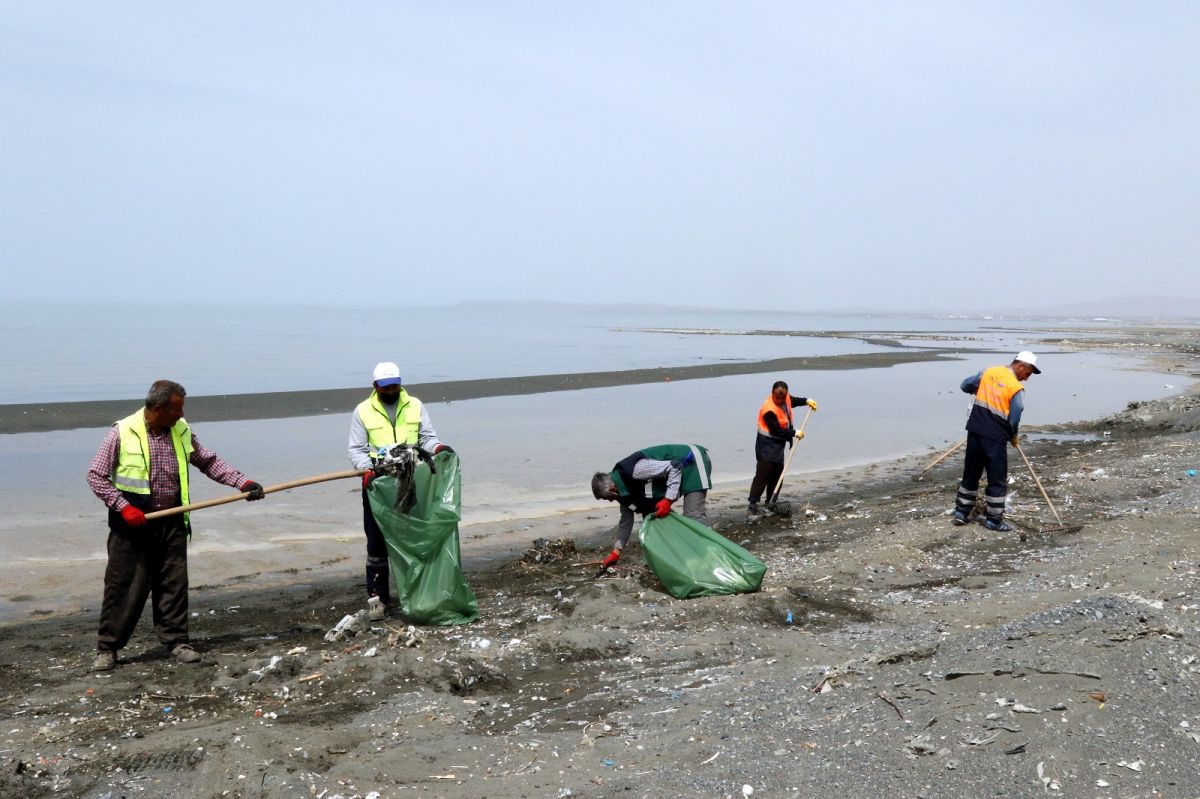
783,414
768,447
993,401
381,430
696,474
131,472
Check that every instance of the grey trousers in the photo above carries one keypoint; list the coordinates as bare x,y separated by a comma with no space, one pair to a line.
148,561
693,505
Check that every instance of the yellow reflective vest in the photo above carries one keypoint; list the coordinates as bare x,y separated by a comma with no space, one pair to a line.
381,430
131,472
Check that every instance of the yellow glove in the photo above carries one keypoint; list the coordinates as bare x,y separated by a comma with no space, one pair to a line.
812,403
799,435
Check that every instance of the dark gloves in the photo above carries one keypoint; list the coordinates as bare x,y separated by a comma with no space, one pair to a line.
256,490
442,448
662,508
132,516
368,476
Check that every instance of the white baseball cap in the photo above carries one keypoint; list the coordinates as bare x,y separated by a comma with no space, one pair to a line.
388,374
1025,356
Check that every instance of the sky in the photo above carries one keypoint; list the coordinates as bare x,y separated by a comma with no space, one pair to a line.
791,155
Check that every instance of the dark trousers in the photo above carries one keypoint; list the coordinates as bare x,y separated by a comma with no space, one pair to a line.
149,561
378,577
990,455
766,475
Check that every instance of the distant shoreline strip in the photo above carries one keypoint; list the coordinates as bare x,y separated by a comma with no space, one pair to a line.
41,417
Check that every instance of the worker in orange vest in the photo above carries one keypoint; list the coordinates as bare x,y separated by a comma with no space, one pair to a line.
776,430
991,427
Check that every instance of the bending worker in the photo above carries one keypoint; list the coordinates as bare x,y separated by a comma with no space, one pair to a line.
992,425
776,429
389,416
650,481
142,466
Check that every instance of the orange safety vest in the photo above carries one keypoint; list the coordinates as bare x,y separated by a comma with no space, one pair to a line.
770,407
997,387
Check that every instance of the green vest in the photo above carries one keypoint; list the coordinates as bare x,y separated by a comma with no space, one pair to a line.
131,473
381,430
696,476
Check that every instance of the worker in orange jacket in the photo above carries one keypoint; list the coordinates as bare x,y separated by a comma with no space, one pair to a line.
991,427
776,431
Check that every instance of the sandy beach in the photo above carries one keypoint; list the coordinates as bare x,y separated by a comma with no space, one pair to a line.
920,660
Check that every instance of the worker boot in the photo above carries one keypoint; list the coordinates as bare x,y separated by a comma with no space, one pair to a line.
376,611
998,524
378,579
753,512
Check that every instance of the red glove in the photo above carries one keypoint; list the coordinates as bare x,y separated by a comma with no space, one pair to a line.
442,448
662,508
132,516
368,476
256,490
612,558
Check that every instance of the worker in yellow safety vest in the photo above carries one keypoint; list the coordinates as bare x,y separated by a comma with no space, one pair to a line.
389,416
142,467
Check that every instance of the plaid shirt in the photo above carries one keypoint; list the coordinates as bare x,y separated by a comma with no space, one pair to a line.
164,470
647,469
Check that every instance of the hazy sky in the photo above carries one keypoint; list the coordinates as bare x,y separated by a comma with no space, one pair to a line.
791,155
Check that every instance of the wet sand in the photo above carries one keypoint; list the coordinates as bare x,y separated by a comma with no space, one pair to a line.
43,417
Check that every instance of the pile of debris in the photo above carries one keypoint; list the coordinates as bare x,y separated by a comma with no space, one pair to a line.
550,550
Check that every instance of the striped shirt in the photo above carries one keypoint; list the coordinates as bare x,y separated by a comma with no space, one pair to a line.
164,470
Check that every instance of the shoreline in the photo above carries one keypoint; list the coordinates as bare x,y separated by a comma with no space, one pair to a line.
328,553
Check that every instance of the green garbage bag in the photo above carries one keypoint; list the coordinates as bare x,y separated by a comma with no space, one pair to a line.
692,560
424,556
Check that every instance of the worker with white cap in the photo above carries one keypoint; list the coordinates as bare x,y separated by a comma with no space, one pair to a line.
993,424
389,416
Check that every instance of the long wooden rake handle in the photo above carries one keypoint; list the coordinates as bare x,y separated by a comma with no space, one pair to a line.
208,503
795,445
1045,496
942,457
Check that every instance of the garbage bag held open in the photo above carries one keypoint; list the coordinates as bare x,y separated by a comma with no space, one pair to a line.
424,555
692,560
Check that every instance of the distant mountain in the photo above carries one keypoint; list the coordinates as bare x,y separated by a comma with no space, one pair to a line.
1141,308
